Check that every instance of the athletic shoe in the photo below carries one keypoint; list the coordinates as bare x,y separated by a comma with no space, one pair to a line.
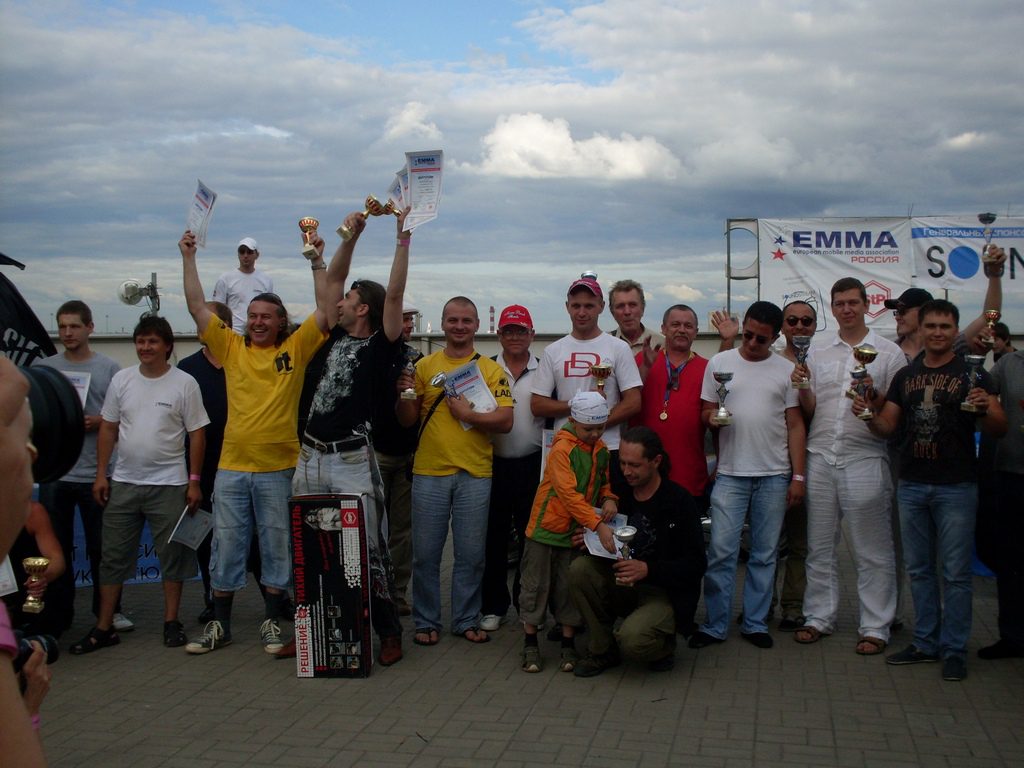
703,639
174,634
270,636
594,664
122,623
910,655
758,639
213,637
954,669
491,622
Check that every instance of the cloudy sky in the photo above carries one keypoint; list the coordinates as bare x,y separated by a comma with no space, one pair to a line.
616,136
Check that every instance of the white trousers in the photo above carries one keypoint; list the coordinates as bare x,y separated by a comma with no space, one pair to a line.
860,493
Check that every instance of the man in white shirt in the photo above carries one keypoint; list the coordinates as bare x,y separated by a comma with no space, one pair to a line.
565,369
760,468
237,287
848,477
148,411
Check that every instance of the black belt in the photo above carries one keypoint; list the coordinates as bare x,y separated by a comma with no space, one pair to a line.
338,446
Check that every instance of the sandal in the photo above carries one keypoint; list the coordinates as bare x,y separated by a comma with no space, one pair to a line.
96,639
870,646
432,636
479,638
807,635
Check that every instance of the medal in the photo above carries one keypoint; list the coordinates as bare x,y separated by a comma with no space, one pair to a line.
664,416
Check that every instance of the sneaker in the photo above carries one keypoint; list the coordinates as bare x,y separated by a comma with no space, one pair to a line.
213,637
758,639
910,655
703,639
122,623
270,636
1001,649
531,659
594,664
491,622
954,669
568,660
174,634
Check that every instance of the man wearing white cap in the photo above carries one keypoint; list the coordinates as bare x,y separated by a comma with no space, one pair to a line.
237,287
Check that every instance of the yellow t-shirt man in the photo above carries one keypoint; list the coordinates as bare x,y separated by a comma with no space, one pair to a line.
445,447
264,384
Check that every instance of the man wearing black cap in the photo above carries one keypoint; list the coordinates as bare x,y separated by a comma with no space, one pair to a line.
566,368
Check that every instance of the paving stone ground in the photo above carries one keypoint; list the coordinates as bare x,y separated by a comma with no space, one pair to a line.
727,706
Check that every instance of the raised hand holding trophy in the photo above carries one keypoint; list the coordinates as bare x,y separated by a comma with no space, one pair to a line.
802,345
309,225
722,417
974,363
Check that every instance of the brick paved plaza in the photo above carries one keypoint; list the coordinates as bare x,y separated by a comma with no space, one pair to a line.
456,704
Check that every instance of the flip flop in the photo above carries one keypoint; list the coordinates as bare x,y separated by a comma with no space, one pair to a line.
870,646
807,635
480,636
432,635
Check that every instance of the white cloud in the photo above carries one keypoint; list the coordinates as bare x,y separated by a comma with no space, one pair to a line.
410,122
530,146
683,292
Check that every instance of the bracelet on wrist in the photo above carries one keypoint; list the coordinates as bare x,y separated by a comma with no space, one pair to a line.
194,478
315,267
36,722
800,478
403,241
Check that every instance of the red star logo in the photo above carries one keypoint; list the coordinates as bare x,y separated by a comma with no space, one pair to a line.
778,255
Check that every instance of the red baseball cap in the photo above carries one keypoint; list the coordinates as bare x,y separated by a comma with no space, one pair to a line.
590,284
515,314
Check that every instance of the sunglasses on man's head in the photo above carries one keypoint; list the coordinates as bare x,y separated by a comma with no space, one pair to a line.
748,335
806,322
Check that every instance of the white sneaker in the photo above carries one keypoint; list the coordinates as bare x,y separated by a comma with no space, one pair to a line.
270,636
122,623
491,622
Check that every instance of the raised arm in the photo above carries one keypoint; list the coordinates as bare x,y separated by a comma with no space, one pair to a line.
396,282
993,295
194,297
336,274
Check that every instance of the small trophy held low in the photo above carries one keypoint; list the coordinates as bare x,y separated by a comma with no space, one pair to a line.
974,362
409,393
722,417
601,372
864,354
625,534
991,318
802,345
309,225
34,567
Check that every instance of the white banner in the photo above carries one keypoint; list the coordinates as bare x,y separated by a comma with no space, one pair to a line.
803,258
947,252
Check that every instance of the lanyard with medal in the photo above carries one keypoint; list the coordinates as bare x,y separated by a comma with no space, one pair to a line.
672,382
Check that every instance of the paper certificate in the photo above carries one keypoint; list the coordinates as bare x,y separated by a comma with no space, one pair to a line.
80,381
425,172
466,380
594,545
395,194
199,212
8,586
192,529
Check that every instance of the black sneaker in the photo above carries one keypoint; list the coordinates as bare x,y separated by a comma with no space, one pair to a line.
592,665
954,669
703,639
758,639
174,634
910,655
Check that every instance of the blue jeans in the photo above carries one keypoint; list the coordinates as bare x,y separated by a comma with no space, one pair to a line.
242,502
732,496
463,499
938,521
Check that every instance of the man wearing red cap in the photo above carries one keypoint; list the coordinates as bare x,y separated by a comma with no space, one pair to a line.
566,368
516,465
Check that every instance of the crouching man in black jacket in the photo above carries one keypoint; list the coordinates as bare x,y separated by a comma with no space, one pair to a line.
657,589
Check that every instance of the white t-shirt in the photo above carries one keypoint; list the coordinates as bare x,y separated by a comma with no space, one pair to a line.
835,433
236,289
524,437
756,444
565,370
153,416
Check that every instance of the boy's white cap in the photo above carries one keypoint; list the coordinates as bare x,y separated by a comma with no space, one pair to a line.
589,408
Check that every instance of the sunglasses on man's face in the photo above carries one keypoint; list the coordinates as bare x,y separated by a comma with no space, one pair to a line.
748,335
806,322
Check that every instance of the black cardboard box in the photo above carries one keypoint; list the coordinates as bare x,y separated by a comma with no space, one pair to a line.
332,586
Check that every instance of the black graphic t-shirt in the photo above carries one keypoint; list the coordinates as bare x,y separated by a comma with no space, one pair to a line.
936,435
342,381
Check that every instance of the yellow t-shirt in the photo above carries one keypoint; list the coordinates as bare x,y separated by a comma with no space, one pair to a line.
264,384
445,447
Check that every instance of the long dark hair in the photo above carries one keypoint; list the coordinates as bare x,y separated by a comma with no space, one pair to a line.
648,439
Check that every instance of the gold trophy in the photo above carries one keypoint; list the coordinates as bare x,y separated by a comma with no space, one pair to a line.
374,207
864,354
974,362
802,345
625,534
722,417
991,318
309,225
601,372
34,567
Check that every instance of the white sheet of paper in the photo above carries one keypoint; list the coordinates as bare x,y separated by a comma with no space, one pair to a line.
200,211
425,174
466,380
8,586
594,545
80,381
192,529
